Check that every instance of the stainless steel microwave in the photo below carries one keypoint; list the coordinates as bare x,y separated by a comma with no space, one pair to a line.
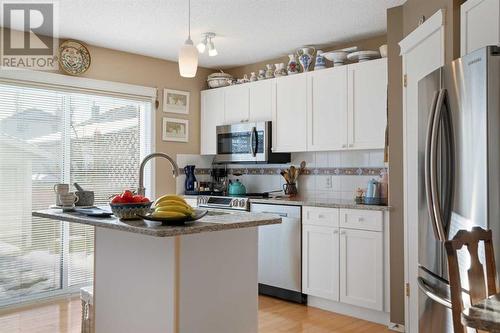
247,143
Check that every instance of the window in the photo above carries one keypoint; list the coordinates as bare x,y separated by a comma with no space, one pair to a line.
50,136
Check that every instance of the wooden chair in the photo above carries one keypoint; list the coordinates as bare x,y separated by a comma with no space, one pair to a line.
479,287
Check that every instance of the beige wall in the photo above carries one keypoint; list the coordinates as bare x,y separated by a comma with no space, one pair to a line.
400,22
364,44
112,65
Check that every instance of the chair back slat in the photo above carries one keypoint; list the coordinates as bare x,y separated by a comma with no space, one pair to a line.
482,283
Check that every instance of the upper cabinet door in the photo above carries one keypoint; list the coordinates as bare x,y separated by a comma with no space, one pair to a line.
212,115
261,100
236,104
289,114
327,109
367,104
479,25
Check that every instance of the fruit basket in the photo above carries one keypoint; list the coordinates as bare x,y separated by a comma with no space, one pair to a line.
130,211
128,206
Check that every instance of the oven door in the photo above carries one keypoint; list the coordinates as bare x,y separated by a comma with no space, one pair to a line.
246,142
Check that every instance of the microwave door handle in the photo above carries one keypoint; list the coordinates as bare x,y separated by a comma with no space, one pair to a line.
436,200
427,168
253,139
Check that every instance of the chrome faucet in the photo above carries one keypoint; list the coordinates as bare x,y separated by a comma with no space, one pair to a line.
142,190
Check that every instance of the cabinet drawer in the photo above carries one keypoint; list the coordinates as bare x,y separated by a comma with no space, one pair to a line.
328,217
361,219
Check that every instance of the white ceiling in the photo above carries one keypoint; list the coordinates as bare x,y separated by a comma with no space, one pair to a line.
247,30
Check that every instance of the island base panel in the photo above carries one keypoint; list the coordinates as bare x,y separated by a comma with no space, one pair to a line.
195,283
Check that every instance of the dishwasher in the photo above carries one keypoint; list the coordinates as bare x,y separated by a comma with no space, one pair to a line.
280,253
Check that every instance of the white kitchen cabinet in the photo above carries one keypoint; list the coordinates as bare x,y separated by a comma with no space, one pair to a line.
479,24
361,268
212,115
327,109
236,105
290,114
320,261
367,104
260,100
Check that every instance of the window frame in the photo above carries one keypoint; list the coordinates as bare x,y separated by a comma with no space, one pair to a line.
36,79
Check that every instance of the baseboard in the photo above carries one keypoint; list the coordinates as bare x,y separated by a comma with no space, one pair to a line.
396,327
378,317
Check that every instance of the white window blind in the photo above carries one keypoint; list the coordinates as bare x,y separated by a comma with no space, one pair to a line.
48,136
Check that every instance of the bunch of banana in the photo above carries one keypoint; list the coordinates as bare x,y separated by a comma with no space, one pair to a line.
172,206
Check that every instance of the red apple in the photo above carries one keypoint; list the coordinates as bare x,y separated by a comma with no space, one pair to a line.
117,199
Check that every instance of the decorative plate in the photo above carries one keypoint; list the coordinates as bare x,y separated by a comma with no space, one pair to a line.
198,214
363,55
74,57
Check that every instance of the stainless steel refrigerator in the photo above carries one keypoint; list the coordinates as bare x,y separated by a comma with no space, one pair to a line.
459,171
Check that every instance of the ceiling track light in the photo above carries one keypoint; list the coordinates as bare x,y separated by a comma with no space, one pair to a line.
207,42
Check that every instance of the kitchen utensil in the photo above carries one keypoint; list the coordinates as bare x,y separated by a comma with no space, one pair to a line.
198,214
85,198
362,56
60,189
67,199
302,167
130,211
236,188
290,189
293,171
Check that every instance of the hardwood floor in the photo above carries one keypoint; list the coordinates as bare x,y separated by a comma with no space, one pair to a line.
275,316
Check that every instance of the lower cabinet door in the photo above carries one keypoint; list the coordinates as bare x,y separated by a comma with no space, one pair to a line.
361,268
320,261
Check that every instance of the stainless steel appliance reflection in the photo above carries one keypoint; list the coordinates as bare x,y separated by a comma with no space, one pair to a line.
458,166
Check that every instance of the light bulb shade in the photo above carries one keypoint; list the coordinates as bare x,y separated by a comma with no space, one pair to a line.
201,46
212,51
188,60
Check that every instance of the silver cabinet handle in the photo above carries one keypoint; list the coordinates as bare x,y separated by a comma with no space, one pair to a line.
431,293
335,231
344,146
280,214
321,216
342,232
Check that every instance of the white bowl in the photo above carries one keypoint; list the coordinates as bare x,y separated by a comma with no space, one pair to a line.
383,51
338,57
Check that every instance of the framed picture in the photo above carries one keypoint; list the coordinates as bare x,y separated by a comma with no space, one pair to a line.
175,129
175,101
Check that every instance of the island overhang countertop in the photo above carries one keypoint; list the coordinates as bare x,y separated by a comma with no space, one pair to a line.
208,223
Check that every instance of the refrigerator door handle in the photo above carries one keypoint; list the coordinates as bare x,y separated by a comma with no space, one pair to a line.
429,291
427,169
434,147
449,183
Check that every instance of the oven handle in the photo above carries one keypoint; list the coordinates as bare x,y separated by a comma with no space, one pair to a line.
254,140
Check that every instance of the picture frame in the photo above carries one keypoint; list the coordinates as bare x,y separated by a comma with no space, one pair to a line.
176,130
175,101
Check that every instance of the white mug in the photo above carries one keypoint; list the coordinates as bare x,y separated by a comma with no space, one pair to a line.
67,199
60,189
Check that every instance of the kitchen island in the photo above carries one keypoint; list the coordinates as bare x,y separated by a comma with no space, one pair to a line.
162,279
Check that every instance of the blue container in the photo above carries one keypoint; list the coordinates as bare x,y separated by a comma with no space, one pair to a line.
190,178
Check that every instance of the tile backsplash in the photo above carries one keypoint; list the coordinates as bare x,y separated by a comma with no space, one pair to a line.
333,175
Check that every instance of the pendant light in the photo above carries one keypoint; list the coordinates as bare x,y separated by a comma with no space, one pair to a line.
188,54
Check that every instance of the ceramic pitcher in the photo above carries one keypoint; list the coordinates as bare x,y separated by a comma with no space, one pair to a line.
190,178
269,71
262,74
305,57
320,62
292,67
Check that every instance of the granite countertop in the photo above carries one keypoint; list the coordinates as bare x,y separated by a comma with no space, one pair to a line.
208,223
303,201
